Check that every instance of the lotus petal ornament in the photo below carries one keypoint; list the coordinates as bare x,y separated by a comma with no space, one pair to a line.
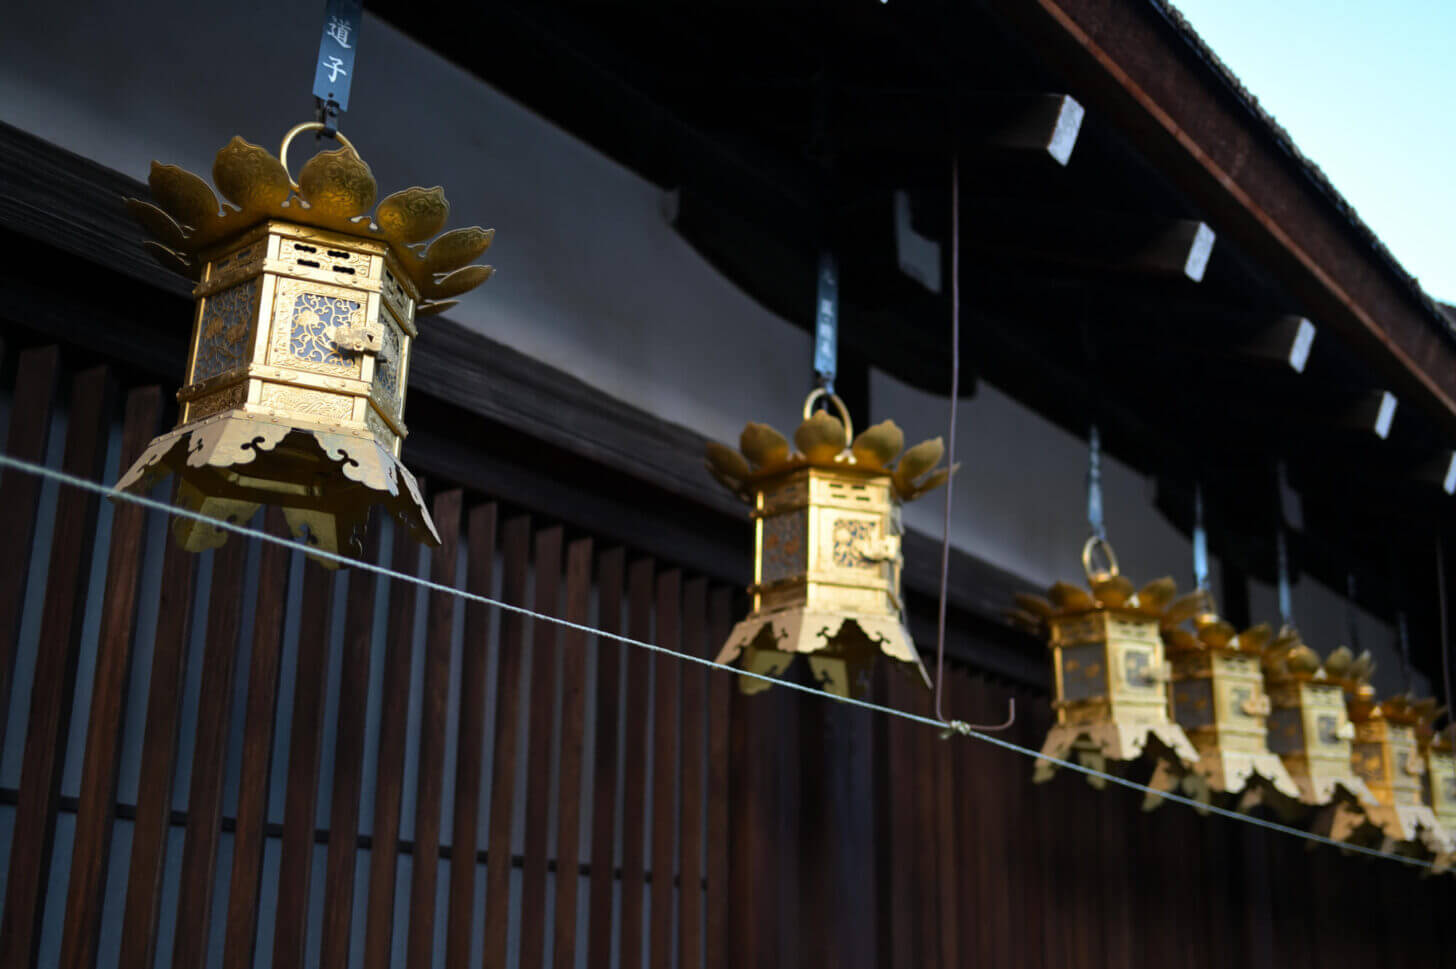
827,536
301,344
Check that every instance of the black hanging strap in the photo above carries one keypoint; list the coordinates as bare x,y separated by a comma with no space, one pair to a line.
334,70
1095,519
1286,594
1200,540
826,322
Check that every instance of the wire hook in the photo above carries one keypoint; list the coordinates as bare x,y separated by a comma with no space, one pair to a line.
953,727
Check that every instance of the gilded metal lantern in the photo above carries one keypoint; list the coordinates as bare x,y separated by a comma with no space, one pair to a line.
1387,757
1311,732
827,558
1440,783
1110,677
306,311
1219,701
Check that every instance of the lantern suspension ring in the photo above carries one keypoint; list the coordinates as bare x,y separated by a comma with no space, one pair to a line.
299,129
1095,544
829,397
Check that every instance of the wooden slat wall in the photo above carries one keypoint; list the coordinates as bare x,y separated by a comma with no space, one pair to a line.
619,808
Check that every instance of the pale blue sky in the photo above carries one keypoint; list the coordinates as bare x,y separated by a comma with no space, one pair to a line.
1367,89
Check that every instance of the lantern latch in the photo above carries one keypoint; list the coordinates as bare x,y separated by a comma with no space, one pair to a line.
884,549
1256,706
364,338
1346,731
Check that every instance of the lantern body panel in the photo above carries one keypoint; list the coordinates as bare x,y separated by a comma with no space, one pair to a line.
1219,701
1311,733
1111,696
305,325
827,569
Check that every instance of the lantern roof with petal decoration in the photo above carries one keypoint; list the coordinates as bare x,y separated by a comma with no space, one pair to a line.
335,191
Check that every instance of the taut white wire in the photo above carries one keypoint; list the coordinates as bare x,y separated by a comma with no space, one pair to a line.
62,477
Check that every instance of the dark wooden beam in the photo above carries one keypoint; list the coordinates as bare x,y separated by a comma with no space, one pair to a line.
1041,123
933,122
1286,343
1098,241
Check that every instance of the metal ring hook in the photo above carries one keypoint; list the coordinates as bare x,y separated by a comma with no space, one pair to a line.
299,129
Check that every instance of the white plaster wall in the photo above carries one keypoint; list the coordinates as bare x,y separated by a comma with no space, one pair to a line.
590,277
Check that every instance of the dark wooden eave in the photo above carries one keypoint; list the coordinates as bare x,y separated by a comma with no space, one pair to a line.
1141,64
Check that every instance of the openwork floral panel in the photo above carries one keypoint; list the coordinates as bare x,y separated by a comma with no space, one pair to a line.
386,367
849,536
784,551
226,321
306,341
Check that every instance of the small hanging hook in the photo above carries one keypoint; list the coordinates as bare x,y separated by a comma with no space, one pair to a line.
953,727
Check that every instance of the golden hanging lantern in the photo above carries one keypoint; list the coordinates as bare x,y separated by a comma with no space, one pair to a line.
1440,782
1387,757
300,351
1310,730
827,558
1219,701
1110,677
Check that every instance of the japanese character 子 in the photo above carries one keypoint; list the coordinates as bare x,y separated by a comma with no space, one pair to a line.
339,30
335,67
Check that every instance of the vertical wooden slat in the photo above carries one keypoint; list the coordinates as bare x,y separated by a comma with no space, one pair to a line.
665,729
694,781
924,849
209,755
515,546
976,837
1116,828
573,729
389,772
605,759
900,821
720,700
256,767
1256,900
1218,915
30,425
479,569
947,895
300,802
1045,816
539,739
159,752
52,689
96,810
349,759
1030,904
634,759
434,711
815,855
